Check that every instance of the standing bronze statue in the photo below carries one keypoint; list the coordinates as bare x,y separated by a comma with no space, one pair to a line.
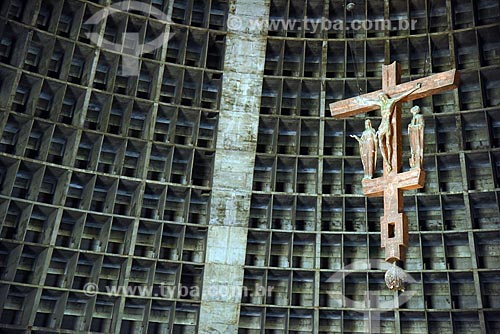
368,149
416,134
384,132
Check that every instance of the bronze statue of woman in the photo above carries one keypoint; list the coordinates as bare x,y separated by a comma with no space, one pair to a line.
368,149
416,134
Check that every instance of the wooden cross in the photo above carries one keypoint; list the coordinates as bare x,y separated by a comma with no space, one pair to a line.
394,223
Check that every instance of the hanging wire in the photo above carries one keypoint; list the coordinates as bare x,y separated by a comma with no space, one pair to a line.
350,8
427,62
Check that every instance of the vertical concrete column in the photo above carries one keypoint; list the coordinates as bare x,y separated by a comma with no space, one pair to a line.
234,166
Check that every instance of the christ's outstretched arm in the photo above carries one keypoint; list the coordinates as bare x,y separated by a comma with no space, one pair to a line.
363,101
401,96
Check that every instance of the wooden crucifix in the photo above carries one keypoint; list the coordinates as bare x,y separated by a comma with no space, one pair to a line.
394,223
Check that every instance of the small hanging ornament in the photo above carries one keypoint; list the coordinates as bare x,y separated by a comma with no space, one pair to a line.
396,278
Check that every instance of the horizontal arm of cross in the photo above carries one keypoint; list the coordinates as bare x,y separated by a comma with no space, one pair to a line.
433,84
413,179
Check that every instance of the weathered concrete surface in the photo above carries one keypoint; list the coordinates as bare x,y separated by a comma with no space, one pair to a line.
234,167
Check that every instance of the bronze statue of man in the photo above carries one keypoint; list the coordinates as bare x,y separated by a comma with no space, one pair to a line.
416,134
368,149
384,132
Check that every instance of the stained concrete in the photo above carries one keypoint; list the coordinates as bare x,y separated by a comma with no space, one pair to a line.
234,167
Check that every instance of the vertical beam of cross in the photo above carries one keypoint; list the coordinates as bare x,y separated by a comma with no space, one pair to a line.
391,77
394,223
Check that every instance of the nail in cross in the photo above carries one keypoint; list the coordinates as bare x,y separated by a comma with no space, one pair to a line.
394,223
